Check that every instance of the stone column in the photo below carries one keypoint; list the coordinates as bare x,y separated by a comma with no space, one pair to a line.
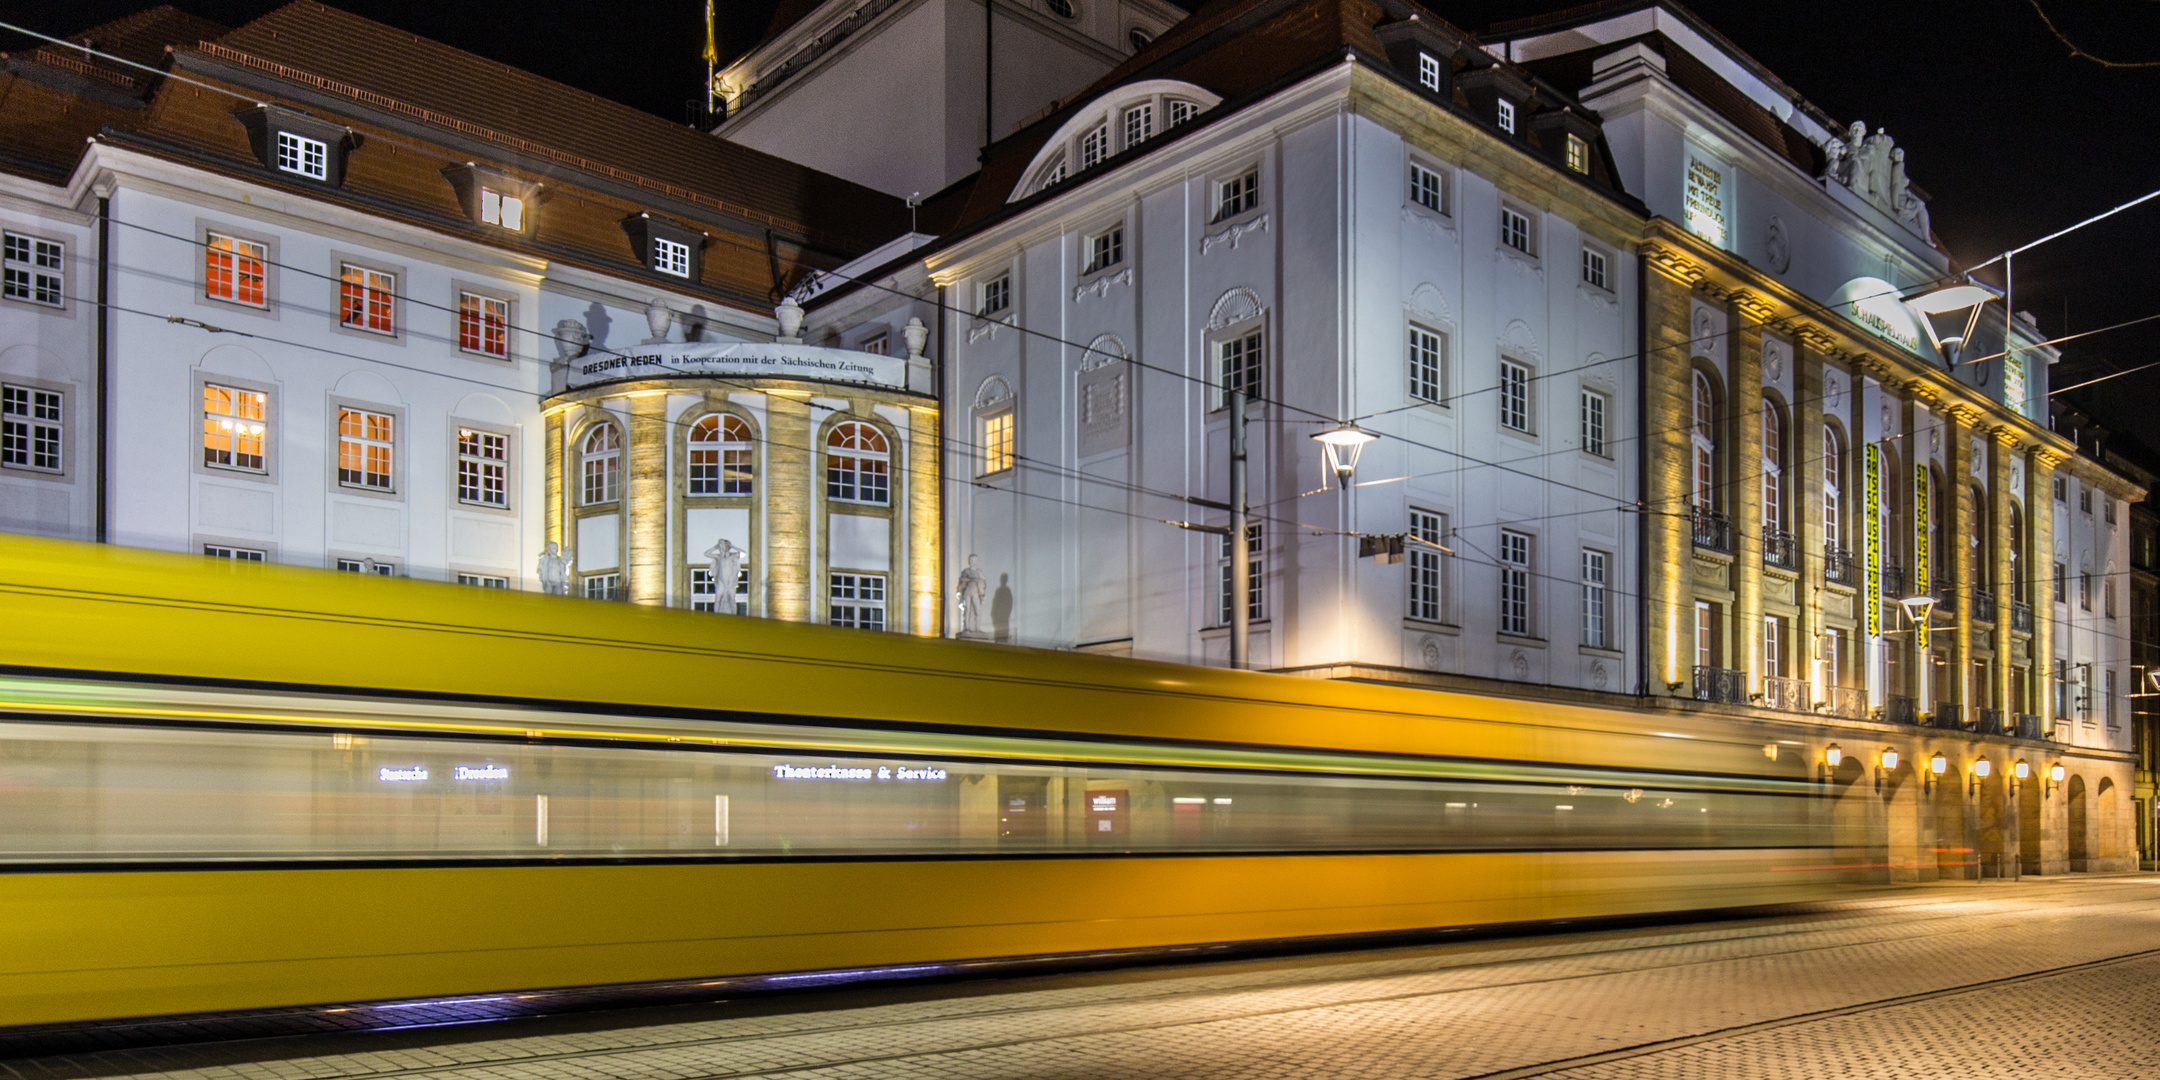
791,461
925,591
645,501
2040,521
1668,566
2001,448
1903,535
1807,512
553,487
1744,475
1958,509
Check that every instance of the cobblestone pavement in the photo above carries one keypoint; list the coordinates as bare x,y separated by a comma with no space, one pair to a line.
2045,978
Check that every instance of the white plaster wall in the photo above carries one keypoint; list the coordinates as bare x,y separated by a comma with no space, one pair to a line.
54,349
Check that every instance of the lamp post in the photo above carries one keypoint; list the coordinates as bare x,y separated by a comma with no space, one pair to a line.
1916,608
1342,444
1945,300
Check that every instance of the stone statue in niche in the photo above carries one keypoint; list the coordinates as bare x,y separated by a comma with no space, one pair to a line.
571,340
1777,248
973,589
726,560
554,570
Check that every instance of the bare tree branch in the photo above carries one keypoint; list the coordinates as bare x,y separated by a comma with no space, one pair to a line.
2080,54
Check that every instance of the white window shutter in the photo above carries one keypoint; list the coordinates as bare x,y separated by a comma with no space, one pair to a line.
490,207
513,213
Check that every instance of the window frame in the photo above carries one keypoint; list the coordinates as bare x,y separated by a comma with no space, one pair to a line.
741,595
1425,584
1577,156
481,579
61,426
609,582
253,551
271,424
299,157
383,567
1603,259
857,485
466,290
1136,114
1108,240
397,446
1426,367
996,440
729,474
1442,185
36,273
1428,71
458,457
1702,441
611,493
1597,598
1833,487
1250,339
1529,248
235,270
1255,575
858,605
671,257
1504,115
1517,583
1596,422
1771,468
998,285
340,262
1515,397
1243,201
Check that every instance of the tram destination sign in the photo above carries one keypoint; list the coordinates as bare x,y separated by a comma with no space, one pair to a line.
754,359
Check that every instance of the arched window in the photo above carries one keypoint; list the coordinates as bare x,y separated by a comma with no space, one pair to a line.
1773,469
1705,445
2017,549
1983,545
857,464
1833,493
602,456
720,456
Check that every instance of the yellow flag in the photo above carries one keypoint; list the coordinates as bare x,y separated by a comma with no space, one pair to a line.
712,48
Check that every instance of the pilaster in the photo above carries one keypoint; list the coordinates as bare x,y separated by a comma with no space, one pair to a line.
645,501
1744,477
1668,566
2040,521
551,454
2001,449
926,587
1809,449
787,508
1958,508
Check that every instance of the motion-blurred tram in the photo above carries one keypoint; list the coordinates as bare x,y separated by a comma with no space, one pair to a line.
229,785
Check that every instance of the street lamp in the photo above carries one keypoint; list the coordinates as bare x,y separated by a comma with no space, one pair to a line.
1940,306
1342,444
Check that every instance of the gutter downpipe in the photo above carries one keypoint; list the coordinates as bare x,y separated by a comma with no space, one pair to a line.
102,527
937,382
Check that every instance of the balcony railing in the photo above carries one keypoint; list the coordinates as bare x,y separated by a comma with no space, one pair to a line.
1849,702
1990,722
1893,581
1712,531
1983,605
1947,714
1780,550
1786,695
1838,568
1898,709
2027,726
1945,596
2021,617
1721,685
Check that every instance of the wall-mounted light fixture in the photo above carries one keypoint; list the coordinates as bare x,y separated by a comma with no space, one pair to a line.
1833,756
2054,780
1980,771
1885,764
1935,768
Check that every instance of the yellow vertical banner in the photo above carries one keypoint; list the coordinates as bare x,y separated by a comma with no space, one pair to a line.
1921,579
1872,455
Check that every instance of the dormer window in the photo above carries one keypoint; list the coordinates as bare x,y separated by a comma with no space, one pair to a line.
1505,115
497,208
1139,123
1063,9
671,257
1428,71
1138,38
1578,153
664,246
1094,146
300,154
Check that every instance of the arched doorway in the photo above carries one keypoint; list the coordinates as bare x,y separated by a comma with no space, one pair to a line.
2080,827
1902,832
2109,850
1954,855
2028,814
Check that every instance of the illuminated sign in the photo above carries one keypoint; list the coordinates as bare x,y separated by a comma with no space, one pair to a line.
694,358
1920,545
2014,384
855,772
1874,304
1705,202
483,772
1106,812
1873,457
411,775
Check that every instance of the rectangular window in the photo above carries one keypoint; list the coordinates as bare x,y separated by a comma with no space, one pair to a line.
2107,698
367,566
1139,124
1773,644
367,299
31,270
233,270
302,155
1514,583
2085,500
483,468
2062,489
483,324
1427,532
1594,598
603,587
1594,269
222,551
1094,146
497,208
1105,249
30,428
1234,197
1594,407
1428,357
1706,634
1833,660
997,442
485,581
671,257
1255,576
1578,154
1427,189
858,601
996,295
1505,114
2110,509
1239,366
2062,588
704,598
1515,230
2085,590
880,345
2107,597
234,428
364,449
1514,396
1428,71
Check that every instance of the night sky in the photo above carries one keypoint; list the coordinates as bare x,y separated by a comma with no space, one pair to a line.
2011,136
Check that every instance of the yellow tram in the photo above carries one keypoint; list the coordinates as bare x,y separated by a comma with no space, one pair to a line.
231,785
